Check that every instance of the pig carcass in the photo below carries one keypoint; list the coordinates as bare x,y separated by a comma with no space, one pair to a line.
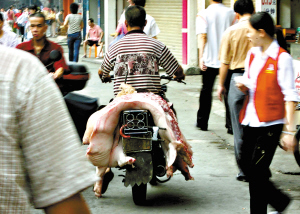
105,145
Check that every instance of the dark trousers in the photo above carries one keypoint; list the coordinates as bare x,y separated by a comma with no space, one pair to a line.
227,110
205,100
257,152
74,41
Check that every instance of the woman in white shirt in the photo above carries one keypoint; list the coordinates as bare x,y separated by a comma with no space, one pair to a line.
269,82
75,25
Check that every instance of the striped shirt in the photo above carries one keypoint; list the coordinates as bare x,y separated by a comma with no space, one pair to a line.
74,21
139,56
40,155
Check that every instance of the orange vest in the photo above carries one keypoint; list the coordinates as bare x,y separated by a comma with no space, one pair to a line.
268,98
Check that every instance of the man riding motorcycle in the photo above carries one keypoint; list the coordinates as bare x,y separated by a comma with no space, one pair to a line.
41,47
135,59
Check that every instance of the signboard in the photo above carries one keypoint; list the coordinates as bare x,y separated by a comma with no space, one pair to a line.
269,6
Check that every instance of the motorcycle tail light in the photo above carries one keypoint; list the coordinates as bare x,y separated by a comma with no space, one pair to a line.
136,121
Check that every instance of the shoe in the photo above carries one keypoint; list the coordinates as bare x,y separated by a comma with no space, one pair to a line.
99,57
84,56
229,131
243,178
275,212
107,178
203,128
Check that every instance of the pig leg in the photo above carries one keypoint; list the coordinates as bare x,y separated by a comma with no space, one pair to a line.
183,167
100,172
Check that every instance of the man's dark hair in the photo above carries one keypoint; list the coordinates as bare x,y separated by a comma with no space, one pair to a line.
1,17
243,7
39,15
219,1
32,7
135,16
74,8
91,20
139,2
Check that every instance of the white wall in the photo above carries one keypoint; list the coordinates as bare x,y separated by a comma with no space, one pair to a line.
110,21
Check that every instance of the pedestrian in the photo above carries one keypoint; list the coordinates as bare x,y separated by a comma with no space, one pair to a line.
270,84
42,163
151,28
59,20
210,25
75,25
32,10
11,18
93,37
7,38
233,51
41,47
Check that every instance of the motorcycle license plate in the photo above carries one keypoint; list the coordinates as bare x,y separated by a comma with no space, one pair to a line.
137,145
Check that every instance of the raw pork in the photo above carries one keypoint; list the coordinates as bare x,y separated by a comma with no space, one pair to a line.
105,145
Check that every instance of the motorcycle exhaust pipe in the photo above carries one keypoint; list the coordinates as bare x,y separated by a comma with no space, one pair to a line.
160,171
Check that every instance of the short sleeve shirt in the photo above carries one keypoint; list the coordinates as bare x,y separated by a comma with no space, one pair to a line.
74,23
94,32
40,155
235,45
44,55
213,21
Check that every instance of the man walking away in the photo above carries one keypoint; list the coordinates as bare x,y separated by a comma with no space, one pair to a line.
233,51
211,23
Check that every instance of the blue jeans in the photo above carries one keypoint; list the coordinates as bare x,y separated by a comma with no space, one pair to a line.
74,41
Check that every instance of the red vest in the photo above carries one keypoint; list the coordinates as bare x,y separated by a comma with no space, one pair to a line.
268,98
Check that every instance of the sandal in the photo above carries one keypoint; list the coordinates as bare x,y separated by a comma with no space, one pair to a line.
99,57
84,56
107,178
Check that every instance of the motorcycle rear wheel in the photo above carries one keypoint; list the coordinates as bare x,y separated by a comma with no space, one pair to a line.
139,194
296,151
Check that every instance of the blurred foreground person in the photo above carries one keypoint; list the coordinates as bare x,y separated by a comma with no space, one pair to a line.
41,160
270,84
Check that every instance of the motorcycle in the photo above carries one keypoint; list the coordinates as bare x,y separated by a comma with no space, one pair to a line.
141,140
75,79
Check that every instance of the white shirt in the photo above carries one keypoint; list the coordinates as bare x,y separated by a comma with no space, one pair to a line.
213,21
151,28
286,80
9,39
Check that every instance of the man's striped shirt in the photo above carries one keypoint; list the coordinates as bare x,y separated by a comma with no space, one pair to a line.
138,56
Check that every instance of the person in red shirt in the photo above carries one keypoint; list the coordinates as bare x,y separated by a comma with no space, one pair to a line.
93,37
41,47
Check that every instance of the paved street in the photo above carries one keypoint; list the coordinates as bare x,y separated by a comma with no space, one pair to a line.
215,189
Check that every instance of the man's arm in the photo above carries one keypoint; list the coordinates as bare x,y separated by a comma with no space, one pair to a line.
101,36
223,73
202,39
179,74
73,205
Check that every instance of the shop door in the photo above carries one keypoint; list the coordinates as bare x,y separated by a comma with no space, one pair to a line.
168,16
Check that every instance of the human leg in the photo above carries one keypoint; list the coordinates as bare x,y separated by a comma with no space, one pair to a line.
77,46
228,124
71,41
100,50
262,190
205,100
236,101
85,42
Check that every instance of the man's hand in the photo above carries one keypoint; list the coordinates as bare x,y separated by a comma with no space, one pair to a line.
202,65
220,92
58,73
103,78
179,78
242,88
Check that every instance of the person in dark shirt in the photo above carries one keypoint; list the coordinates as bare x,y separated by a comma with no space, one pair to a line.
41,47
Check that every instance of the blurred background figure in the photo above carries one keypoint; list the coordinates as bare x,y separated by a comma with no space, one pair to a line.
75,24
